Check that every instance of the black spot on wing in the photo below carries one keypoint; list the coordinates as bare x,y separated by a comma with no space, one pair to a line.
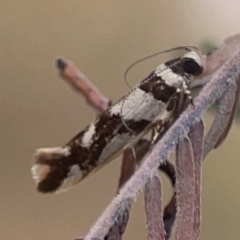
163,92
107,127
135,126
158,89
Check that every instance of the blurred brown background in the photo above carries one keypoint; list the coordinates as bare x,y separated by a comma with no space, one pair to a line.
38,109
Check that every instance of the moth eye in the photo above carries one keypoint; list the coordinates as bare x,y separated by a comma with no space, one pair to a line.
191,67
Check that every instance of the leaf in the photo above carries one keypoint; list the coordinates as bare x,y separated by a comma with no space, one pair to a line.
153,209
185,190
223,119
196,136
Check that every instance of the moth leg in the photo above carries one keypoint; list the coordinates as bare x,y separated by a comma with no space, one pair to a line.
182,99
190,99
134,152
158,130
188,96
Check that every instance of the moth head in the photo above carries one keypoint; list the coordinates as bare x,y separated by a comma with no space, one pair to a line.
193,63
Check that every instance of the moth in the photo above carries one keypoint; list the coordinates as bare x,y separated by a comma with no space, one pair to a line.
152,102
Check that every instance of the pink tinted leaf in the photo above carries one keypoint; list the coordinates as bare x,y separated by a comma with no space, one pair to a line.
118,229
223,119
196,136
185,190
235,93
153,209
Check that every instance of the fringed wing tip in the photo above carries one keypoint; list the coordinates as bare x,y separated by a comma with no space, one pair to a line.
53,171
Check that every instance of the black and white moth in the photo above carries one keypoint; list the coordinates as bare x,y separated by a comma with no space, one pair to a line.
151,102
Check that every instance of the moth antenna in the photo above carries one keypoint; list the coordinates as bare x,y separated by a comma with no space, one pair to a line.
184,48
